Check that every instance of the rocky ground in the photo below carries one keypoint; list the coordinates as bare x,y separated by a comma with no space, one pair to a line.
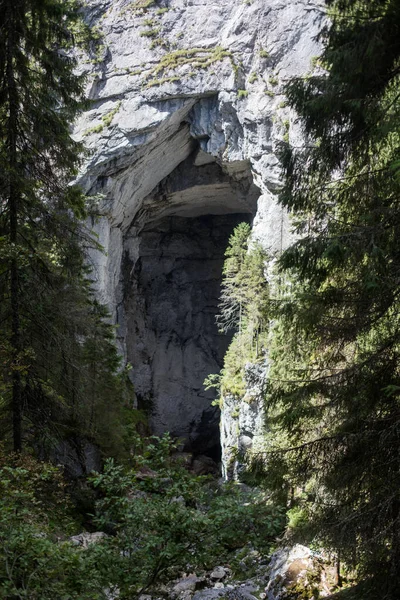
289,574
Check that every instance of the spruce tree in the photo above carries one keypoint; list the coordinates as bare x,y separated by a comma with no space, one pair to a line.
243,309
335,382
232,291
58,358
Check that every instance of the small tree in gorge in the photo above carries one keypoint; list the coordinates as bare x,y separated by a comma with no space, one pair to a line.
244,307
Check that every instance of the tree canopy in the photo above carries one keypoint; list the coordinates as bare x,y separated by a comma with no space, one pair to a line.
335,382
57,353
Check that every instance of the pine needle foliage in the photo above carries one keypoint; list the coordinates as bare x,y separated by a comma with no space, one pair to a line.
243,308
335,382
58,361
233,294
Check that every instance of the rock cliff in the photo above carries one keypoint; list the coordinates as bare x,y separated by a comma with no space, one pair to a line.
186,113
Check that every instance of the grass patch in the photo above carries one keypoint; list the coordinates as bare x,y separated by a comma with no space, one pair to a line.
150,32
158,43
139,6
96,129
143,4
198,58
157,82
106,121
253,77
107,118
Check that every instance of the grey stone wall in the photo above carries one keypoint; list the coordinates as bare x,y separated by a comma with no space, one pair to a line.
185,120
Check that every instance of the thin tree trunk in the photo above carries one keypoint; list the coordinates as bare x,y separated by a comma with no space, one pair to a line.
394,579
13,203
339,580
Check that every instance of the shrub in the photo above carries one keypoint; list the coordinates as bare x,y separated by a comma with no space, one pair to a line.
165,520
34,510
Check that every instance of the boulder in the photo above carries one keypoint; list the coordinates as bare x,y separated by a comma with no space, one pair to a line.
204,465
298,572
85,539
219,573
189,583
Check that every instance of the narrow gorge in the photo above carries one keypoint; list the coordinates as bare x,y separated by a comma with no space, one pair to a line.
200,301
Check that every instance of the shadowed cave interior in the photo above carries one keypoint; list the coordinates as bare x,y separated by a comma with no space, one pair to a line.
172,293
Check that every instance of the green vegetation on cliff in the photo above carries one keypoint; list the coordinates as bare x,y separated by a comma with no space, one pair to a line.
243,308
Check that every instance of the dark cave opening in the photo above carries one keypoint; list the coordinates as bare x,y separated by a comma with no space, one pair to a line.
172,295
175,343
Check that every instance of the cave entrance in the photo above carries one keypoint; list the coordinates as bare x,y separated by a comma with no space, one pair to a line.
173,288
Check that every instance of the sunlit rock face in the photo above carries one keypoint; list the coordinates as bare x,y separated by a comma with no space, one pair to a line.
186,117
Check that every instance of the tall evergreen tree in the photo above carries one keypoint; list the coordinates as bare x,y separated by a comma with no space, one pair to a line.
243,309
244,290
232,296
335,383
58,358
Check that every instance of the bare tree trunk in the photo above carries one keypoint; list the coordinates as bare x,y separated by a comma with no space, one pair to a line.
13,203
339,580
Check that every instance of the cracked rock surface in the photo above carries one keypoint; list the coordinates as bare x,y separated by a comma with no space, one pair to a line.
185,120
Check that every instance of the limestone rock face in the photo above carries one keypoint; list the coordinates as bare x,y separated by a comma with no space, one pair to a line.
172,337
242,425
183,128
78,457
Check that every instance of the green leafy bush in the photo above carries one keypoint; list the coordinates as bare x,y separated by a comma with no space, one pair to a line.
34,517
165,520
161,520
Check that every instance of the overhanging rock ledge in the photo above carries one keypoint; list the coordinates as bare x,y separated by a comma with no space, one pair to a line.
183,129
